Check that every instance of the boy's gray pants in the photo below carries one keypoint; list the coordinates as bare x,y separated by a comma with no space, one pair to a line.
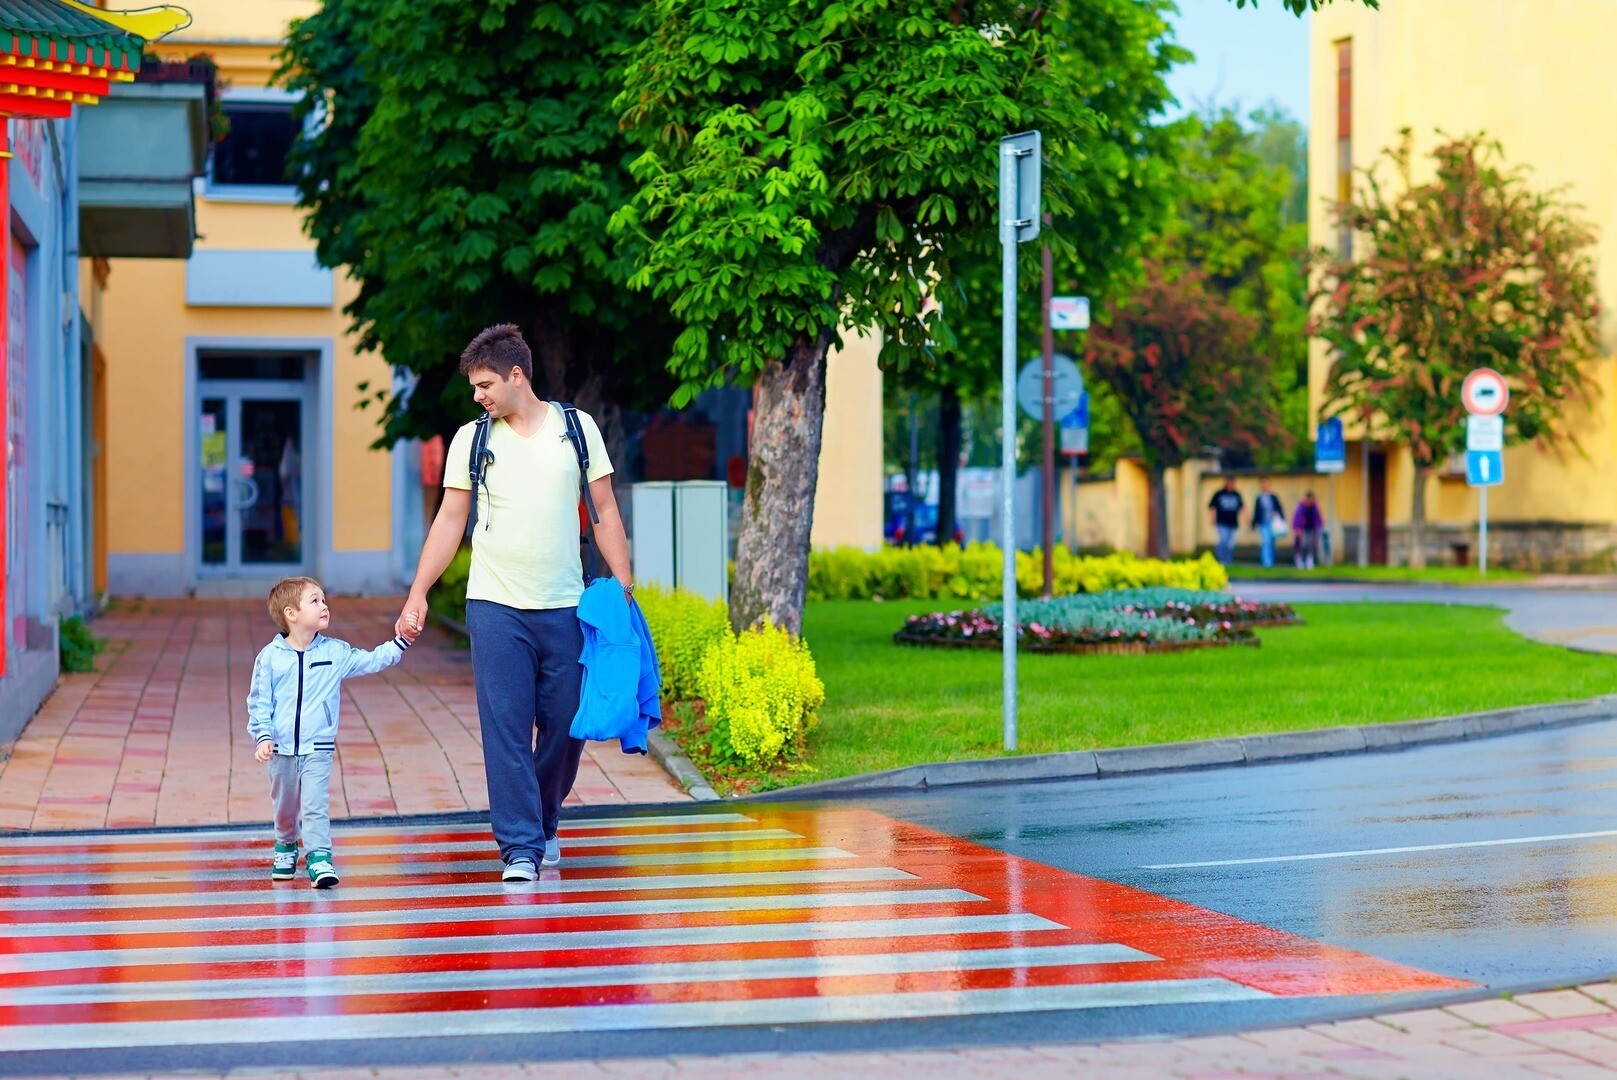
299,788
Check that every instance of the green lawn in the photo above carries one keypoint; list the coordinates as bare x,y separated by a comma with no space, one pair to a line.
1432,575
889,705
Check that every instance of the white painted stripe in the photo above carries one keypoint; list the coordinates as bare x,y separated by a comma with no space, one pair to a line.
1552,839
292,894
444,982
261,848
503,944
693,1014
667,905
170,873
568,825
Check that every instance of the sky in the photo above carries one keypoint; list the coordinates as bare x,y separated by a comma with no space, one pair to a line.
1244,57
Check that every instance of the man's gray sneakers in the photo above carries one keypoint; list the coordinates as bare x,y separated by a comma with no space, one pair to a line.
552,853
520,870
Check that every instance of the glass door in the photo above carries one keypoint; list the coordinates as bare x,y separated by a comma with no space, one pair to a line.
252,479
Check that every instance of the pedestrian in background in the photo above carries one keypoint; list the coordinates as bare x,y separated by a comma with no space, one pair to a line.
1269,519
1306,525
1226,507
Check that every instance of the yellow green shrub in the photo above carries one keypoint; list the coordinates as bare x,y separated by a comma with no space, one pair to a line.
683,626
973,573
762,694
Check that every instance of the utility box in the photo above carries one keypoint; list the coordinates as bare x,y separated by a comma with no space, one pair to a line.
682,536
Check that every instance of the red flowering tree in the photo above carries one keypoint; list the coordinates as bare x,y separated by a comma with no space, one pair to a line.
1471,268
1182,361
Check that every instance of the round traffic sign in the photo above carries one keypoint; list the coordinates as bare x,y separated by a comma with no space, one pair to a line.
1066,386
1484,393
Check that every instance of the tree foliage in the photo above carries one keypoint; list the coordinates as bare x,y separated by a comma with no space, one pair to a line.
466,165
813,165
1237,221
1182,361
1297,7
1470,268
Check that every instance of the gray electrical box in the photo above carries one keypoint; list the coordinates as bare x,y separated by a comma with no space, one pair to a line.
682,536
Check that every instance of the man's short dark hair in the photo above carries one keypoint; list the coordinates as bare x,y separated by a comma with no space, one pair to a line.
498,349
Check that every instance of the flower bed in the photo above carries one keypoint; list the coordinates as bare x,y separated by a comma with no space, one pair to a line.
1122,621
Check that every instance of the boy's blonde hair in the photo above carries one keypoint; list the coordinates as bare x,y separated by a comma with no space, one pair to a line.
288,593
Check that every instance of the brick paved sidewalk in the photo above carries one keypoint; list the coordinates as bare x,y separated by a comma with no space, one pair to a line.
1564,1033
159,735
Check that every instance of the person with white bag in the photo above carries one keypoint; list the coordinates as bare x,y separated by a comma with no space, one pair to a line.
1269,519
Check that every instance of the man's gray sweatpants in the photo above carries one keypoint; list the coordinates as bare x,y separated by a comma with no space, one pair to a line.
299,786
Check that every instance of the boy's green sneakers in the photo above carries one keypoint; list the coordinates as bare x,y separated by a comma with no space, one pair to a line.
322,875
284,866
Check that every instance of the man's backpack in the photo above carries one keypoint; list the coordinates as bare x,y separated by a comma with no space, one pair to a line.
483,457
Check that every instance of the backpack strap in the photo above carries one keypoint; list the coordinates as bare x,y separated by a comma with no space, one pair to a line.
482,458
575,435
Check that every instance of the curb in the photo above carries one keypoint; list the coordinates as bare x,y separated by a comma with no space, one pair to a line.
665,752
1210,753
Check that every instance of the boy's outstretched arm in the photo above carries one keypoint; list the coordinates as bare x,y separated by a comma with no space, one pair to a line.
370,661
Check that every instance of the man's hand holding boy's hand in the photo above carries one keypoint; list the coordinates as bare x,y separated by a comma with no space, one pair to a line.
264,751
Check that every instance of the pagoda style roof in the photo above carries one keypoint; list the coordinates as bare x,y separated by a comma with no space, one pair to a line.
55,54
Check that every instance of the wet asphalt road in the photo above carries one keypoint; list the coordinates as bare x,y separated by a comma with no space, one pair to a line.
1499,914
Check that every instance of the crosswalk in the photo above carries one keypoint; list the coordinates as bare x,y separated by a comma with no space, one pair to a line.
652,922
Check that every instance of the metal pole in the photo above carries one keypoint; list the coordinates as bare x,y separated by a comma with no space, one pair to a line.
1007,419
1482,541
1364,494
1048,507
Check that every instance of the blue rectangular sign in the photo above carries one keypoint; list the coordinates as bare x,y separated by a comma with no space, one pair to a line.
1330,447
1484,468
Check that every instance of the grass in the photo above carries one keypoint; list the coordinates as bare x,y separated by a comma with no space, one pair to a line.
1432,575
889,705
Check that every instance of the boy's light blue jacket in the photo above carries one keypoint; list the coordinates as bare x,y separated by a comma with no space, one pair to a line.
294,695
620,698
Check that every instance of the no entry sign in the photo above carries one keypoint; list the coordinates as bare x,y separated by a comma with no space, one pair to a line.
1484,393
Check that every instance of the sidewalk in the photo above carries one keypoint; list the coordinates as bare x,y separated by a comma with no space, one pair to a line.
1563,1033
158,736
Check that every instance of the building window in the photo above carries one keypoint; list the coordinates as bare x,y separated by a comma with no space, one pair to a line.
1344,142
255,150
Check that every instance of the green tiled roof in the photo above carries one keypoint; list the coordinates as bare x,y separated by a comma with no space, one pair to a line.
71,30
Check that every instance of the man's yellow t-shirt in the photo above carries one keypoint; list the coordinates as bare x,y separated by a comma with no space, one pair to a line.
525,551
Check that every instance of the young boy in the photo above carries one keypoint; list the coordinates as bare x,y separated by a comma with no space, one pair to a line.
292,713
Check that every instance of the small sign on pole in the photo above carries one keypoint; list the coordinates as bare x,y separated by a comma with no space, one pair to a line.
1330,447
1485,396
1069,313
1066,386
1075,428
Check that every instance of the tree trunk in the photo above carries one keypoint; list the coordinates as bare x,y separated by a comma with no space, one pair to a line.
783,468
948,462
1417,520
1157,523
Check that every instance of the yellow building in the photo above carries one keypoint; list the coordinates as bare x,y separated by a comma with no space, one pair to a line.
1529,75
234,451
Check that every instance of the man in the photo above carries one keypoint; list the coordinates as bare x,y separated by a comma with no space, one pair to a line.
1268,517
523,590
1226,508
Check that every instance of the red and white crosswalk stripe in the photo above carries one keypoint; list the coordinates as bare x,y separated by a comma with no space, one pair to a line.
671,921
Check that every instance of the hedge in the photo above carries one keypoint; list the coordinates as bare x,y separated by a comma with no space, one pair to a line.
974,572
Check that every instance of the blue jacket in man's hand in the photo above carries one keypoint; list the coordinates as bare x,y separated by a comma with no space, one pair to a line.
620,699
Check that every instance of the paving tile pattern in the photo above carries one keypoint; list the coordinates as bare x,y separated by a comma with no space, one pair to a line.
158,736
1567,1033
